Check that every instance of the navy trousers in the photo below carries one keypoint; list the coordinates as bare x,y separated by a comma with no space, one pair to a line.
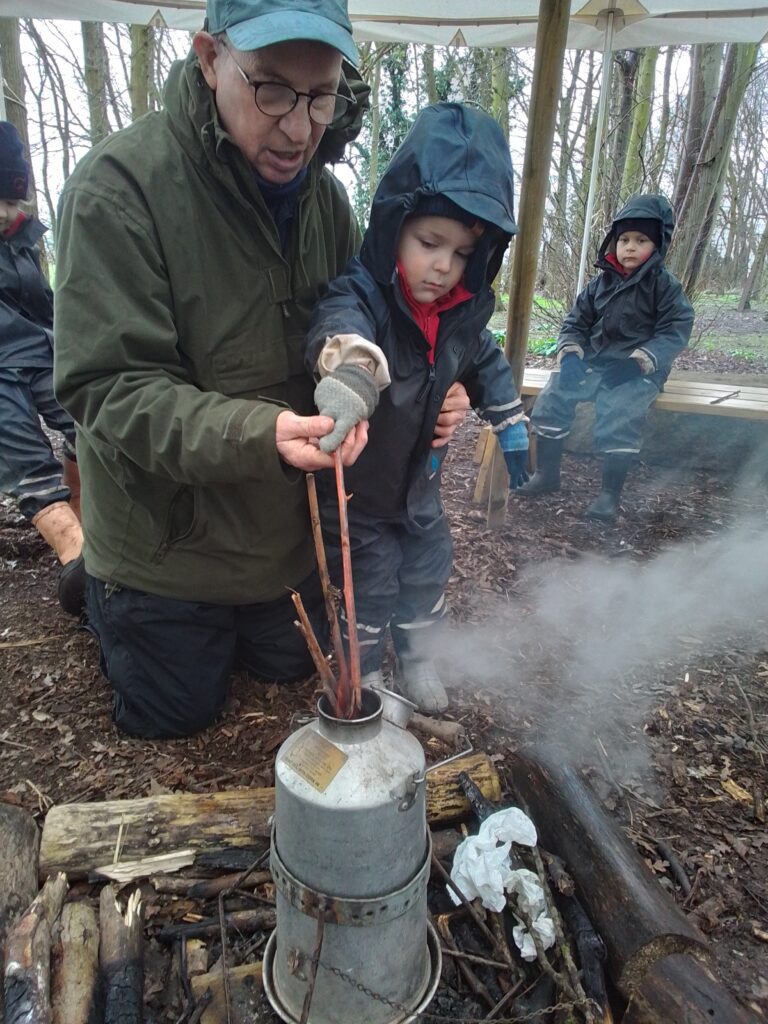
620,412
169,662
399,582
29,471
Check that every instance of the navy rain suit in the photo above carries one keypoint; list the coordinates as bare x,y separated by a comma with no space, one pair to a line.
401,544
29,471
646,313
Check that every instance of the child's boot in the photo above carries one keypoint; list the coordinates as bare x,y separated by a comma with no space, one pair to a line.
71,478
606,505
417,679
546,479
60,528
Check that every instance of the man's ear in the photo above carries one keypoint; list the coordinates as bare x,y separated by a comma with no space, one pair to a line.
207,51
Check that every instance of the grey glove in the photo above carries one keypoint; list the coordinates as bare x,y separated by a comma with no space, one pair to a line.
348,395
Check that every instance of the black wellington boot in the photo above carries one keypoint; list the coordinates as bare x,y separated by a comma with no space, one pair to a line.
546,479
606,505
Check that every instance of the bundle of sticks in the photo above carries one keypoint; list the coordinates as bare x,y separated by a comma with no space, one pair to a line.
342,692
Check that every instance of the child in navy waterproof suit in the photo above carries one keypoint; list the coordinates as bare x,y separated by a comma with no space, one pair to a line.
403,324
615,349
46,491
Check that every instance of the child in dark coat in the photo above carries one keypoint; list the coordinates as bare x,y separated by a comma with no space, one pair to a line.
29,471
615,349
403,324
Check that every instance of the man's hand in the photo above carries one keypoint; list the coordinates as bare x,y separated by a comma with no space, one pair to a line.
298,441
620,371
452,414
348,395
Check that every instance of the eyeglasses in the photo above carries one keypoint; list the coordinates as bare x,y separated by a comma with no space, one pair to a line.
277,100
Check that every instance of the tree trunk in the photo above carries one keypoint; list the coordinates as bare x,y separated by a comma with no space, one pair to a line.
705,75
140,70
373,161
96,72
625,63
661,149
15,97
754,274
428,67
709,175
635,171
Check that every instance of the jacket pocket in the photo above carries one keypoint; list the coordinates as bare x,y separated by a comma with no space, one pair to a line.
245,364
181,521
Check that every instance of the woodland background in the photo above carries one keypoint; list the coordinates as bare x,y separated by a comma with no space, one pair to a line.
688,121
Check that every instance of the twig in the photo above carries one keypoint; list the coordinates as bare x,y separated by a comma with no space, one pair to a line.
506,998
8,644
325,579
224,970
751,716
324,669
349,593
468,974
675,866
475,959
465,902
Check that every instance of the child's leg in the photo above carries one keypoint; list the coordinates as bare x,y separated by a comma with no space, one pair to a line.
29,471
421,608
41,383
555,408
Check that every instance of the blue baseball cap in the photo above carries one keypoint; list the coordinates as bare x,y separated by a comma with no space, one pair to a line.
252,24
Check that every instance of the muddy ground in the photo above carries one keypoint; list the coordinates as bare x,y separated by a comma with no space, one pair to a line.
666,711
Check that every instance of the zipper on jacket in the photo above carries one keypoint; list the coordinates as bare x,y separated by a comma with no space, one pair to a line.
286,311
428,383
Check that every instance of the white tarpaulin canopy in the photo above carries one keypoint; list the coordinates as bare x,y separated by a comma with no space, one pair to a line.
445,22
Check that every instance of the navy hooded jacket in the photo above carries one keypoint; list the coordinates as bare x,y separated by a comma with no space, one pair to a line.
458,152
26,301
647,311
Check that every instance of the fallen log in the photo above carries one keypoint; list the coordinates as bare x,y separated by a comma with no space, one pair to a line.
27,974
121,958
636,919
19,846
679,988
77,838
75,966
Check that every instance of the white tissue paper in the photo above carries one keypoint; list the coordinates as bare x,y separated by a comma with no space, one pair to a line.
481,869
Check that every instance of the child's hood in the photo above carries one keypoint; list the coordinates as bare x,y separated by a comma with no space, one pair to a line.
452,150
647,207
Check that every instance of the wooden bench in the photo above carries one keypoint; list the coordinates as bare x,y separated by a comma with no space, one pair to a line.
680,395
683,395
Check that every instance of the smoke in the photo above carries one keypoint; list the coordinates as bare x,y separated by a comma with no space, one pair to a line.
576,655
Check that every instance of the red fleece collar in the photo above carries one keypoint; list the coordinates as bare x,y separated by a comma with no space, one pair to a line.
9,232
427,315
613,260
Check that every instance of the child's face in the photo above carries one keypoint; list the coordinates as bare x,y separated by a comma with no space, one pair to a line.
433,252
633,248
9,211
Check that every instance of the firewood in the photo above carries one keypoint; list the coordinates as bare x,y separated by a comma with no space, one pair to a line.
28,955
636,919
244,994
79,837
679,988
19,846
245,921
121,958
451,733
75,966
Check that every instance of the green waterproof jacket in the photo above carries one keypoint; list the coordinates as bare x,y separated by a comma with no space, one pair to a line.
179,333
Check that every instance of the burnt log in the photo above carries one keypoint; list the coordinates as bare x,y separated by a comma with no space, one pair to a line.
679,988
78,838
75,966
636,919
121,959
27,973
19,845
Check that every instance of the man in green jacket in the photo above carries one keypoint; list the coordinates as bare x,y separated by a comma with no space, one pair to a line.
192,247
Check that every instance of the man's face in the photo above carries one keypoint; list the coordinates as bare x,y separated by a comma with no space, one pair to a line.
433,253
276,147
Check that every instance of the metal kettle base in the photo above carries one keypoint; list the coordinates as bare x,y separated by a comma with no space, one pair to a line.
435,959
